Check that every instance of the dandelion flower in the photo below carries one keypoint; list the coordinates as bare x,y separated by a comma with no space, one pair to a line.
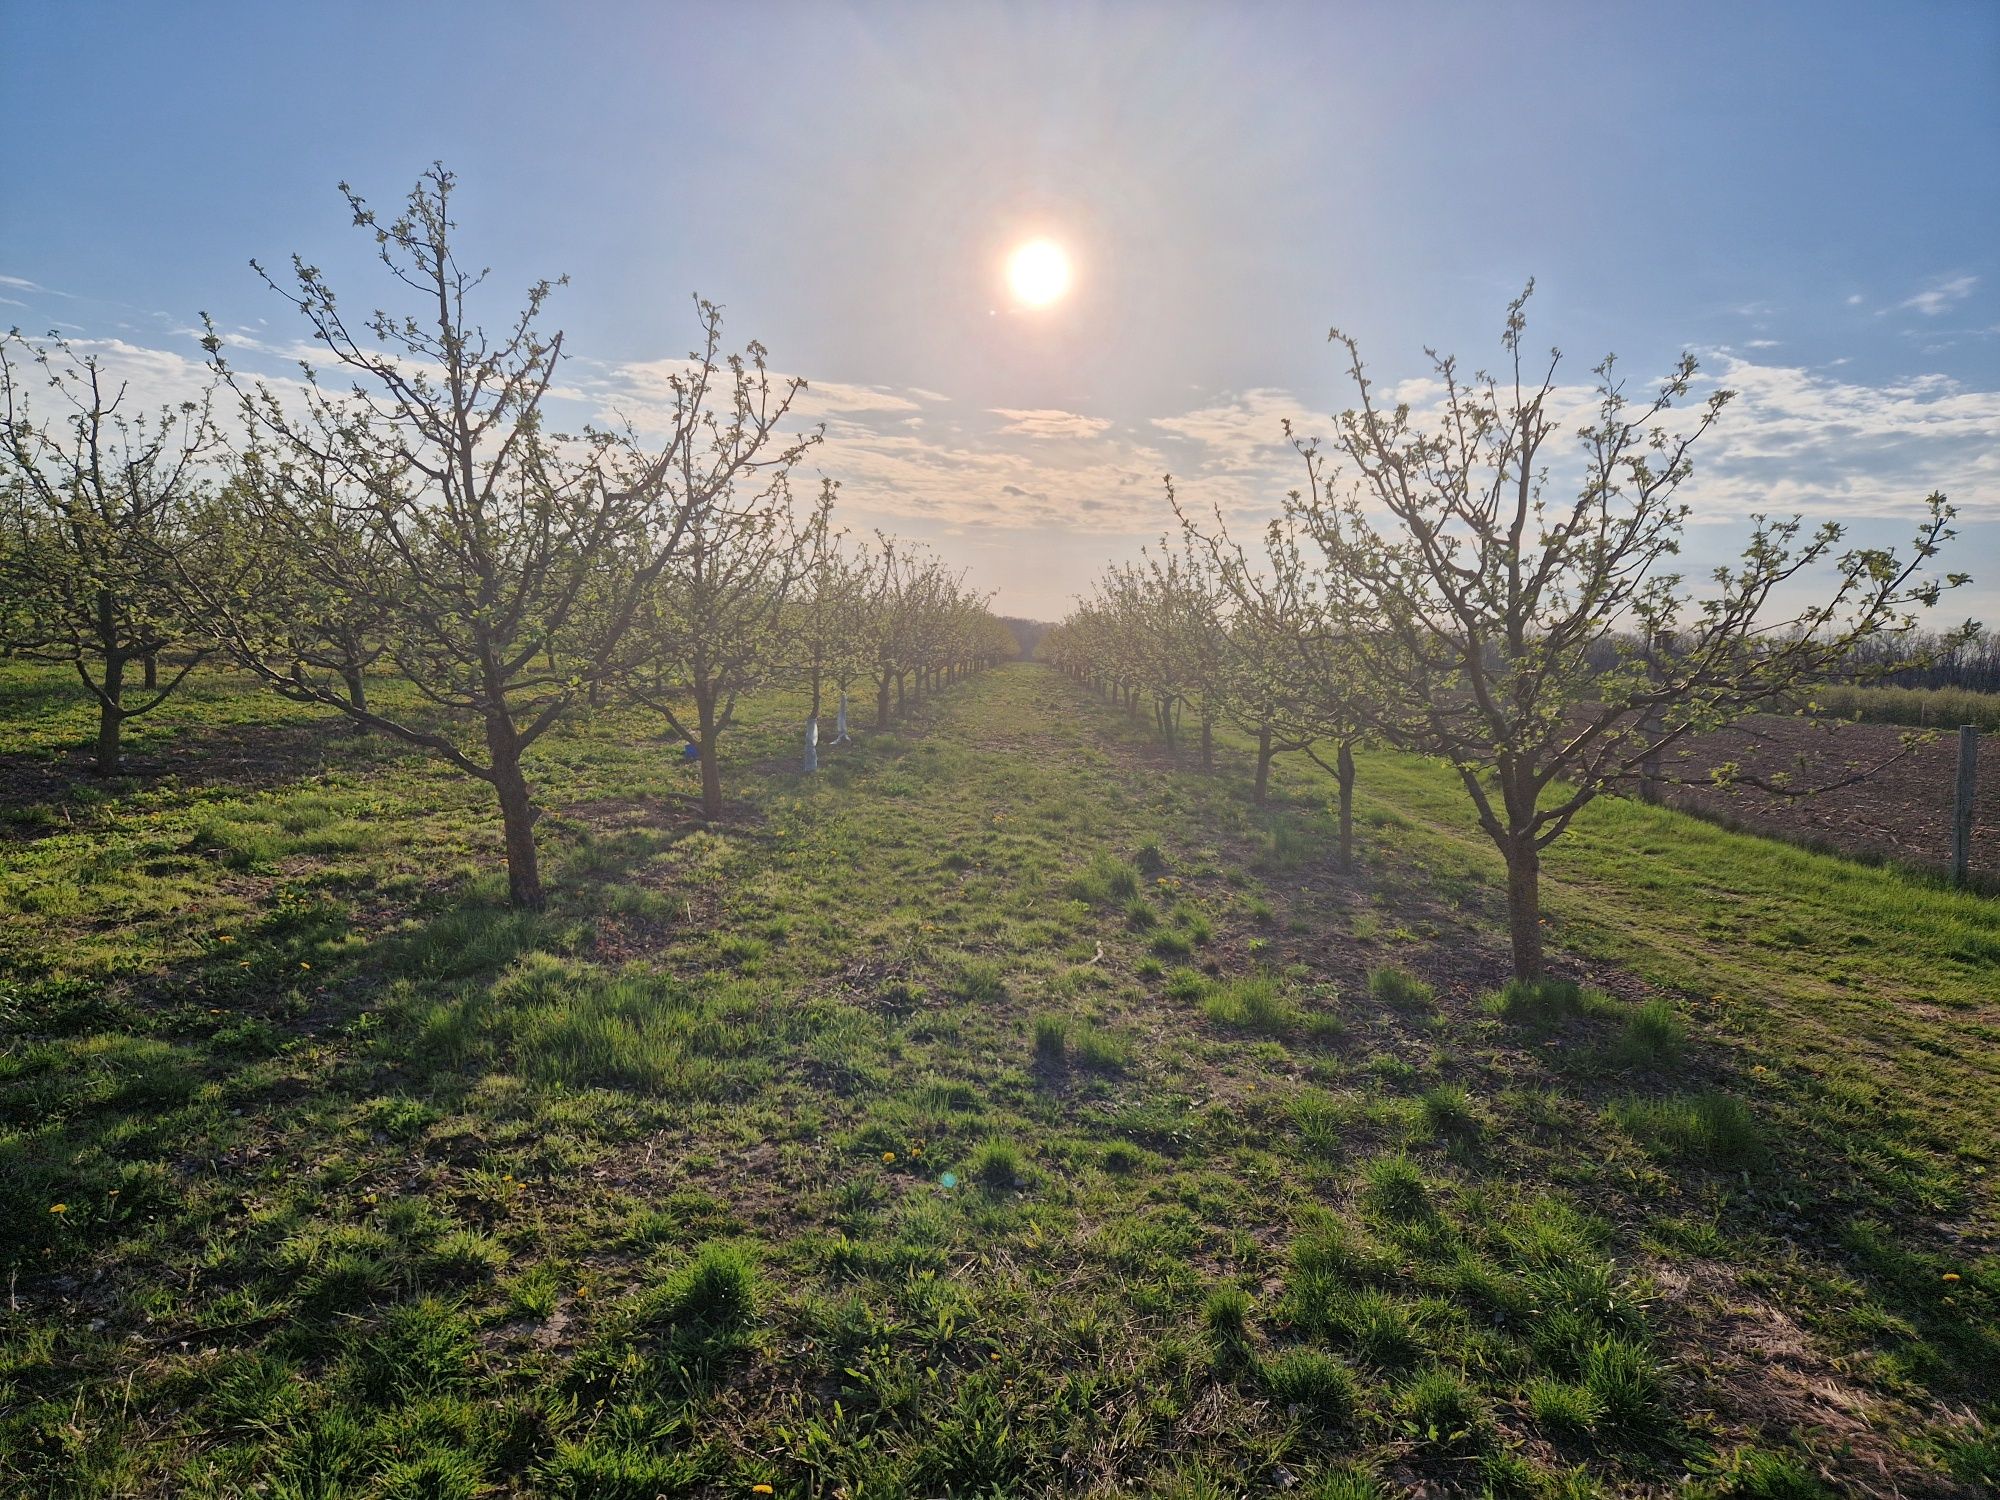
1951,1276
58,1208
888,1156
760,1489
305,966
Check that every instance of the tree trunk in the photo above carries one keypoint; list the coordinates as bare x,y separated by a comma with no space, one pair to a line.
899,693
1524,905
151,661
110,714
882,703
711,765
1208,742
1263,796
517,816
357,694
1345,775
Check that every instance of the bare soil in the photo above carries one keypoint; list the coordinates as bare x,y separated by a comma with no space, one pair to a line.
1901,813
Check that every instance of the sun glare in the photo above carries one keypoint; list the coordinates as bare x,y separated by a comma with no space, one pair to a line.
1038,272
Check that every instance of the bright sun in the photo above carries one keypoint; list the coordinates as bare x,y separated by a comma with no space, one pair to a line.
1038,272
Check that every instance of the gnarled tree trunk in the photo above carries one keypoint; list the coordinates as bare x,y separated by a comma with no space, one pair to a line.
517,815
1344,774
1524,904
110,714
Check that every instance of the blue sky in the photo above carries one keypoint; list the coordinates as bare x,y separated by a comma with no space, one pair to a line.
1806,195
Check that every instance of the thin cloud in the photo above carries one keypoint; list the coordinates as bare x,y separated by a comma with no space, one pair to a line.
1243,433
1044,423
22,284
1941,296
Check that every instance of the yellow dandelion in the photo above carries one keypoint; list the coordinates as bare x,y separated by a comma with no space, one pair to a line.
760,1489
888,1156
58,1208
305,966
1951,1276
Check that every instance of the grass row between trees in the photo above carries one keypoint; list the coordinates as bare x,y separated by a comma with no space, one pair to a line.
1004,1111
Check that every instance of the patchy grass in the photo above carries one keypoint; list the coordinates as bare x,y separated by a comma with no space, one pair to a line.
989,1115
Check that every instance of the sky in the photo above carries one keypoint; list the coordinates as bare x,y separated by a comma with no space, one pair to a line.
1806,196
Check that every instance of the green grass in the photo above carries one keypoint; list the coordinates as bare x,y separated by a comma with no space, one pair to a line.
1395,988
990,1115
1254,1003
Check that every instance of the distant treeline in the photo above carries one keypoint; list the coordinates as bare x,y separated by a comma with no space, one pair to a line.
1027,633
1971,665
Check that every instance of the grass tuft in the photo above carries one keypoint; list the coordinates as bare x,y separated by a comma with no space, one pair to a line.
1051,1041
1448,1110
1316,1383
1439,1409
1105,881
1537,1001
1251,1004
1652,1036
1394,1188
1399,990
997,1165
981,982
1711,1129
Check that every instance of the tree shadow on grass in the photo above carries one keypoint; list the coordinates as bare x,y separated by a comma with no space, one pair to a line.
1821,1235
47,792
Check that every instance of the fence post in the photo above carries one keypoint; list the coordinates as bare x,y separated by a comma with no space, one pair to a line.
1961,825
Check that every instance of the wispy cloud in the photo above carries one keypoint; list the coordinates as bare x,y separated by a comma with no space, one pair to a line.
1794,439
1940,296
1797,438
647,383
1242,433
1050,424
22,284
